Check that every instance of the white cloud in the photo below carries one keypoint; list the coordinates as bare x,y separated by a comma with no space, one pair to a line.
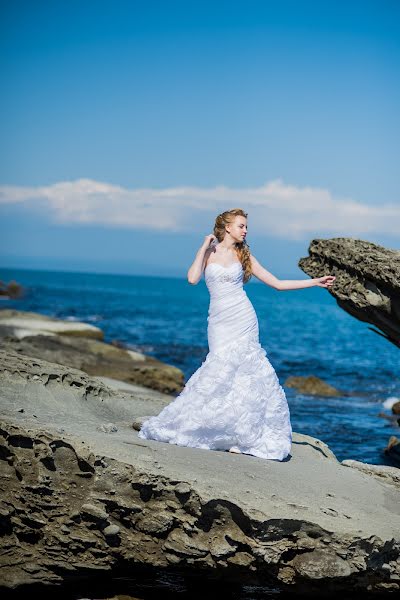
275,209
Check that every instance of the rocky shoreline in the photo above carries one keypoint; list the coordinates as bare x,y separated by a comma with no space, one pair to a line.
84,497
81,346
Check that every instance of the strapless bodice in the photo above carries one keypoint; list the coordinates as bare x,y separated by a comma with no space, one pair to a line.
230,315
223,280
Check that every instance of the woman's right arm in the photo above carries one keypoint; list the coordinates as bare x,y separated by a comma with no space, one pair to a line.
196,269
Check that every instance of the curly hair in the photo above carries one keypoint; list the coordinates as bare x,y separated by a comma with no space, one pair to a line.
242,248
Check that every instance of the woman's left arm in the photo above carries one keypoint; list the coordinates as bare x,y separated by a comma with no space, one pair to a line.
288,284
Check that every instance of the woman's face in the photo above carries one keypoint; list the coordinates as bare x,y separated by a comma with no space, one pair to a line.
238,228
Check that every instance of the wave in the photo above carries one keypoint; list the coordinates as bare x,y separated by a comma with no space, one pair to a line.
388,403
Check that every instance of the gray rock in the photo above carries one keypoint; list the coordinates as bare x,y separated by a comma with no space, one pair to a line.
80,346
383,472
21,324
321,564
138,422
367,283
111,530
94,511
108,428
305,523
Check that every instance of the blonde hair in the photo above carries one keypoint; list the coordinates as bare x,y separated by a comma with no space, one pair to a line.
242,248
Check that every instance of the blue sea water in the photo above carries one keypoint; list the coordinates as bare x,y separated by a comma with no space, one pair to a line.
303,331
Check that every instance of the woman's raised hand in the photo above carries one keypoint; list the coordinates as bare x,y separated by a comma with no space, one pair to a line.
208,240
325,281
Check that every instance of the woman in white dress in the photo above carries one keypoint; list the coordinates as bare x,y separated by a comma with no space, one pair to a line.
234,400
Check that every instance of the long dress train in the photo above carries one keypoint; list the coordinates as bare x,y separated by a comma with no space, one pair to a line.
234,399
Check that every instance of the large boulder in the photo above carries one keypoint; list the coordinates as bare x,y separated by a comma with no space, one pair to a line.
367,283
84,495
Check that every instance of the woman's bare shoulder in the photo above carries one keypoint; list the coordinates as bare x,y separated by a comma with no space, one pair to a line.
209,252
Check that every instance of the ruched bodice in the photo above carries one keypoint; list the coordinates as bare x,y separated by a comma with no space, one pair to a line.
234,399
231,315
222,280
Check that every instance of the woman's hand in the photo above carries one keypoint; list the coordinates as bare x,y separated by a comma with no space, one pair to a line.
325,281
208,240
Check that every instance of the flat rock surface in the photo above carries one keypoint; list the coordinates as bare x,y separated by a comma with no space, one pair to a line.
22,323
309,491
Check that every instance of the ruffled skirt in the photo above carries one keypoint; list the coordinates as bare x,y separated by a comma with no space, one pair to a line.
233,399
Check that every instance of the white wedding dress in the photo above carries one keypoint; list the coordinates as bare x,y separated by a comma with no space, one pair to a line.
234,399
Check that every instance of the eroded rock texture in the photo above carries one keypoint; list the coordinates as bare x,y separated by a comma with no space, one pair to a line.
66,509
78,502
367,281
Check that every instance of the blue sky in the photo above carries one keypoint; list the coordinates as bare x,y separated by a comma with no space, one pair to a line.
128,126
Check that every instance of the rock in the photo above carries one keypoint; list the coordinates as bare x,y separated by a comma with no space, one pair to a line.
392,450
94,511
138,422
307,523
12,289
111,530
367,283
20,324
136,356
72,344
322,449
320,564
155,524
396,408
183,545
108,428
242,559
383,472
182,488
312,385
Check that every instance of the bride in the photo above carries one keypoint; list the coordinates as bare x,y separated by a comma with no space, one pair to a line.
234,400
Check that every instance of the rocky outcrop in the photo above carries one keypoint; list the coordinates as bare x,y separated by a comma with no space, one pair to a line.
367,283
81,500
19,324
312,385
79,346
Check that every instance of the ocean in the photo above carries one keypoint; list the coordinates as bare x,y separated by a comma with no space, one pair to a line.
304,332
